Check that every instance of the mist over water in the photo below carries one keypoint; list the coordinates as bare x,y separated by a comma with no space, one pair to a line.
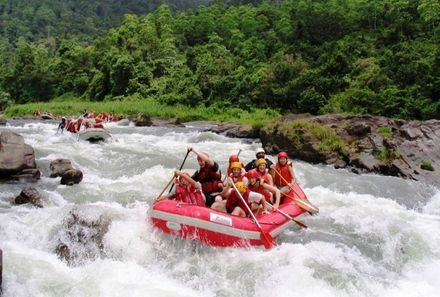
374,235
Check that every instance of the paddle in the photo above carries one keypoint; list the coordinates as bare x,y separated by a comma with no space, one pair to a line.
266,238
168,184
180,168
289,217
304,204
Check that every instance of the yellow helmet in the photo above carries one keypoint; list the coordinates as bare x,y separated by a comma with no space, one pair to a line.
241,187
261,162
235,165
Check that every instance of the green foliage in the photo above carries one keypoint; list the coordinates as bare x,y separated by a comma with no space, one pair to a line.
329,141
426,165
385,131
132,105
387,155
5,100
376,57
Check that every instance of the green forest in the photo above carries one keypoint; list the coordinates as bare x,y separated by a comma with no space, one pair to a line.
301,56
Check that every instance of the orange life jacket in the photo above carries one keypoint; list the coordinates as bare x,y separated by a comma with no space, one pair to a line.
285,177
234,200
264,176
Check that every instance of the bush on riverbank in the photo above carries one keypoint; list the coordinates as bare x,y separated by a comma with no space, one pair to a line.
132,106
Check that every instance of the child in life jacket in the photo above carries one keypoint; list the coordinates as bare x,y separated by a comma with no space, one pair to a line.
263,172
234,204
186,190
237,174
232,159
283,175
257,184
255,201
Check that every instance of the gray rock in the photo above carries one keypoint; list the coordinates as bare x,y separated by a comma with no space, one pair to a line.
402,151
142,120
28,175
59,166
71,177
15,154
29,195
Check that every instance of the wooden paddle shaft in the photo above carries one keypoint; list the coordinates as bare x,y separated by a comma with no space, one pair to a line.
168,184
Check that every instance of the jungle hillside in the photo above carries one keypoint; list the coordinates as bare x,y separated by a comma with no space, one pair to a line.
301,56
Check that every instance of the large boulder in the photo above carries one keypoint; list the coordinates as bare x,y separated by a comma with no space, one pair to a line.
15,155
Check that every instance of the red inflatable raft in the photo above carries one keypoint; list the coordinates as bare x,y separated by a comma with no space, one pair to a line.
216,228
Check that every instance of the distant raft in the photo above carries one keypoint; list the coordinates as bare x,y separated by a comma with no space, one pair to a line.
94,134
209,226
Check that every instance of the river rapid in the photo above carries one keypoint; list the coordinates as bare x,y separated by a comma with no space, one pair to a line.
374,235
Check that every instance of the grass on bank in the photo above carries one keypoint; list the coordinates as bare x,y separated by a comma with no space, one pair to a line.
329,141
73,108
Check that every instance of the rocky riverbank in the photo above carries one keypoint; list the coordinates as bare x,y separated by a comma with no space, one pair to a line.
362,144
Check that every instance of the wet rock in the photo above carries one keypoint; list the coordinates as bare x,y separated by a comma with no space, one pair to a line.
63,168
82,235
71,177
234,130
15,154
368,143
174,122
142,120
359,130
340,164
59,166
29,195
28,175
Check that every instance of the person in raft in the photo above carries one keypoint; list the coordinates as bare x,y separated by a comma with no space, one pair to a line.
62,125
232,159
282,172
257,184
186,190
260,154
263,171
207,175
237,174
235,205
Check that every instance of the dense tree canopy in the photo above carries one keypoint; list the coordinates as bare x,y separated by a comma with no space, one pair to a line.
357,56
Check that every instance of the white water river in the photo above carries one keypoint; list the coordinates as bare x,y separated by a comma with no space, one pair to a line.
374,235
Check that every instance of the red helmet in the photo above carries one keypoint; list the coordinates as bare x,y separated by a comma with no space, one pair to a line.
282,155
233,158
252,174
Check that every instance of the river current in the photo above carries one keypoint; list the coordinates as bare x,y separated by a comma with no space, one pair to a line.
374,235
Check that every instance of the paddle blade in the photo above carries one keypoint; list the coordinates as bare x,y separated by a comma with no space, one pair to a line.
300,224
307,206
267,240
